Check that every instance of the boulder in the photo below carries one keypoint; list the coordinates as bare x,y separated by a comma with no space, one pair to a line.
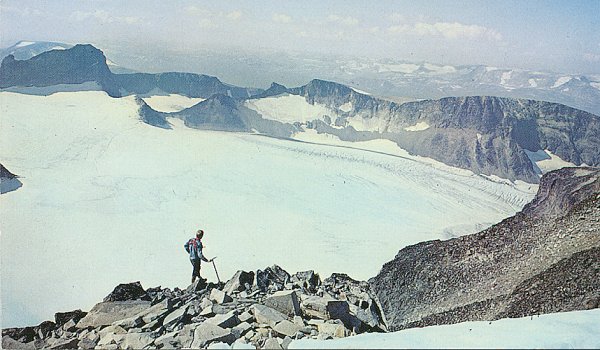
245,317
86,344
267,315
65,344
168,340
22,335
156,311
130,322
240,281
175,316
198,285
69,326
272,278
308,280
287,328
286,342
336,330
285,302
208,332
241,329
219,297
208,311
60,318
272,343
228,320
45,329
127,291
135,341
105,313
10,343
340,310
315,307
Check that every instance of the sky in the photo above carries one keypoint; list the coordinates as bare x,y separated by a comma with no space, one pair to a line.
560,36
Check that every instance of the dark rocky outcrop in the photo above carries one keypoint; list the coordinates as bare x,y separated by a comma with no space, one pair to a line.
540,260
79,64
8,181
127,291
85,63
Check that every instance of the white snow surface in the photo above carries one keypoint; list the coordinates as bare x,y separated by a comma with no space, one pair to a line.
420,126
505,77
560,81
439,69
595,85
288,108
107,199
546,161
346,107
24,43
567,330
532,83
171,102
360,91
406,68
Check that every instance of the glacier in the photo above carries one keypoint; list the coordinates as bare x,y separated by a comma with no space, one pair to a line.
108,199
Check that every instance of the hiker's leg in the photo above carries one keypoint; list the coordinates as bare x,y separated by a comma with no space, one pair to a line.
196,272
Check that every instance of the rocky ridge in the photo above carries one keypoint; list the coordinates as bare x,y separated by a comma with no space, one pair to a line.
544,259
267,309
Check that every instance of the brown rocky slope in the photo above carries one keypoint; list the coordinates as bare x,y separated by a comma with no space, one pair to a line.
544,259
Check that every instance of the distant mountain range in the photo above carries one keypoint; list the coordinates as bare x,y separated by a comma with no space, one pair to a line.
485,134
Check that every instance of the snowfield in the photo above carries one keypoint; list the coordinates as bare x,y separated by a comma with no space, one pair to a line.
171,102
288,108
567,330
107,199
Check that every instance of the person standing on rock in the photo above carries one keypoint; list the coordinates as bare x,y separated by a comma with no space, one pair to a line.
194,248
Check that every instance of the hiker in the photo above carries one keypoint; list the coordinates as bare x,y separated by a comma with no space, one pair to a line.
194,248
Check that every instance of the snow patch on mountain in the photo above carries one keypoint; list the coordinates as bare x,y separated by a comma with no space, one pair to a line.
171,102
420,126
532,83
346,107
406,68
439,69
288,108
360,91
595,85
24,43
505,77
565,330
560,81
545,161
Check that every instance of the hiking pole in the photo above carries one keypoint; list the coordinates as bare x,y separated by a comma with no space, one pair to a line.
215,266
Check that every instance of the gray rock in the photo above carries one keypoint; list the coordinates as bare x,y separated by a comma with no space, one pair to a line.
69,326
336,330
198,285
228,320
156,311
168,340
61,318
287,328
340,310
308,280
245,317
131,322
208,311
219,297
65,344
10,343
135,341
299,321
175,316
87,344
272,343
267,315
314,306
285,302
241,329
105,313
272,278
239,281
208,332
286,342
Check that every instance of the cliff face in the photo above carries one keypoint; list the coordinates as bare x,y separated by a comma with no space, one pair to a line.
80,64
544,259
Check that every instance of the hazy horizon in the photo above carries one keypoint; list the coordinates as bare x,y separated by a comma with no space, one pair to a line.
534,35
